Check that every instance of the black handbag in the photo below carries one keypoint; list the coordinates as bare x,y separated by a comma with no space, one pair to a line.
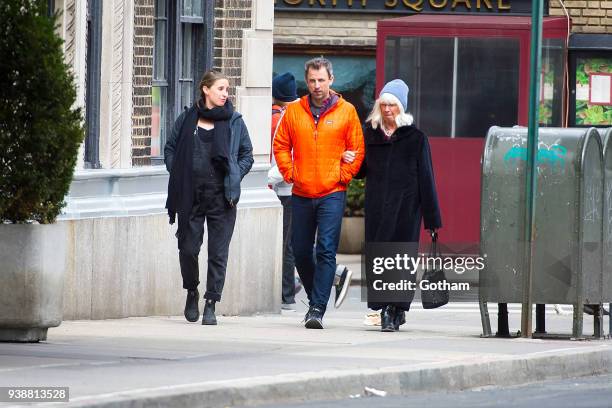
433,298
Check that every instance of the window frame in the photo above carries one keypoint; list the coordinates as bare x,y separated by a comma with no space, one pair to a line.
91,158
393,54
201,59
163,83
575,55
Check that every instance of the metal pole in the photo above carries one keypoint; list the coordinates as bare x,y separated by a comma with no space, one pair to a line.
532,150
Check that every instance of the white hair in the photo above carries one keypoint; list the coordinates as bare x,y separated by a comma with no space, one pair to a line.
375,117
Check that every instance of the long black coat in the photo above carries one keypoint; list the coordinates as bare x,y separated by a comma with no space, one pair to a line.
400,188
400,191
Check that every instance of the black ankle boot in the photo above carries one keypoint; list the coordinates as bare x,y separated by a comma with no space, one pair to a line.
209,313
387,315
192,313
399,318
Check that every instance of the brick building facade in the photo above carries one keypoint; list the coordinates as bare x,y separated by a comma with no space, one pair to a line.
587,16
231,18
116,66
144,37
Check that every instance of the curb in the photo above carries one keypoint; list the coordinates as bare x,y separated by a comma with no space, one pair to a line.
340,384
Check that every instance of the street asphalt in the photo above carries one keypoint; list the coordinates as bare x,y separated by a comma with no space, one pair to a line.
583,392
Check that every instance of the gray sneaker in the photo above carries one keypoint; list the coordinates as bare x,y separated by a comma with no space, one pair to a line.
342,282
290,307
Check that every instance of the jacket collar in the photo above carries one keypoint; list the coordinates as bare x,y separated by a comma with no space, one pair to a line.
304,102
377,136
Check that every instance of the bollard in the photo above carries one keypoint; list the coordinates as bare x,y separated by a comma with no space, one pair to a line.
540,319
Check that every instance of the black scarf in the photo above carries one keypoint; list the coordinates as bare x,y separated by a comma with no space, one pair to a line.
221,116
180,185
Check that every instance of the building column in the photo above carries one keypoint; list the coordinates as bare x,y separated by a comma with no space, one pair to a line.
116,84
243,52
73,29
254,96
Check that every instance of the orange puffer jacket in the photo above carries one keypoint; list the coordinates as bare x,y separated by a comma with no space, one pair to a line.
310,156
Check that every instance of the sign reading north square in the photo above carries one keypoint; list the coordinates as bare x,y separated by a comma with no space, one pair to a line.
520,7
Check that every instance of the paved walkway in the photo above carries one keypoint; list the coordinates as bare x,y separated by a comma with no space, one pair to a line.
273,359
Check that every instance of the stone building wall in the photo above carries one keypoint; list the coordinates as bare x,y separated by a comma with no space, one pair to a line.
327,29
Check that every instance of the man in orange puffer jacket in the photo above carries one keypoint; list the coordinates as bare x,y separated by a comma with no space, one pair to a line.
311,141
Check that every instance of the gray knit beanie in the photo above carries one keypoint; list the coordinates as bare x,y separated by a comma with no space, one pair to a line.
399,89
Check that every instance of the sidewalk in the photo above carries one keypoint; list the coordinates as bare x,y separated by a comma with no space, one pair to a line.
165,361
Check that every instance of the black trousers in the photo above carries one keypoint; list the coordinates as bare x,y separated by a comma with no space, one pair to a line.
211,207
288,295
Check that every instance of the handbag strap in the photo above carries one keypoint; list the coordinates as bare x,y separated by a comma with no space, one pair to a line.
434,244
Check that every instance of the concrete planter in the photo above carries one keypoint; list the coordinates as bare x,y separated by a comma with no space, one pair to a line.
32,260
352,236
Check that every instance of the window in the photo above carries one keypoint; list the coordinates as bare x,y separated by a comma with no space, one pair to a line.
92,84
472,83
191,44
426,65
551,82
487,85
159,90
586,66
50,7
182,53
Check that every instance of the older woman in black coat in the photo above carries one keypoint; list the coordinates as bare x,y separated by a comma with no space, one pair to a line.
400,188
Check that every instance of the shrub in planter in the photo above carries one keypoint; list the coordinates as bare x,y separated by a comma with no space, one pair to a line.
40,133
352,233
355,198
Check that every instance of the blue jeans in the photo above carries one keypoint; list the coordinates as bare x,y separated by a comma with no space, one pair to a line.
321,217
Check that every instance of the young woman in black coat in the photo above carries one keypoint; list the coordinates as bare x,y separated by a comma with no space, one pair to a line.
207,154
400,187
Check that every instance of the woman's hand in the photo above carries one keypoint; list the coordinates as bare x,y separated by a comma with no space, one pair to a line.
348,156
